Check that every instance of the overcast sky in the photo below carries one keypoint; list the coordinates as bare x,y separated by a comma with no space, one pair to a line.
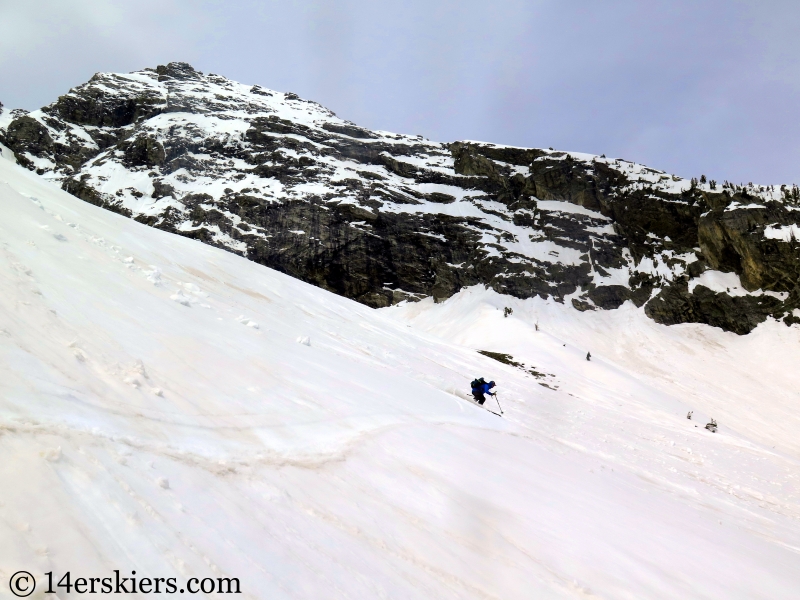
686,86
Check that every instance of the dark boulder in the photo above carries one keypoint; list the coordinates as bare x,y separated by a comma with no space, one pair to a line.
143,151
27,135
740,314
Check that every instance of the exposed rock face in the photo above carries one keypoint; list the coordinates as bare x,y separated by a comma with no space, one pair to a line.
758,241
382,217
740,314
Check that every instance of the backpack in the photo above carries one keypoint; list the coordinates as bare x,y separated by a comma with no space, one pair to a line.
477,382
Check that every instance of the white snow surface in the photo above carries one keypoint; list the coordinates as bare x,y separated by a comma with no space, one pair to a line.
717,281
785,233
175,410
730,283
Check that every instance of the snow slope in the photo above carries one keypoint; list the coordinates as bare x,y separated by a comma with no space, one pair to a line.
173,409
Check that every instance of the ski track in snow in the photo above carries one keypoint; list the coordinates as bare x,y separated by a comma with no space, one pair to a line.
170,408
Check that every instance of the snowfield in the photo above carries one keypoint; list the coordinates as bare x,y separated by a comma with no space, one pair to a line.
175,410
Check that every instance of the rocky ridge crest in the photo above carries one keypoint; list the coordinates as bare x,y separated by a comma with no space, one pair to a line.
383,217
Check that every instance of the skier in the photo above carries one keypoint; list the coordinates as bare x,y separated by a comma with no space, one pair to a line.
479,388
589,356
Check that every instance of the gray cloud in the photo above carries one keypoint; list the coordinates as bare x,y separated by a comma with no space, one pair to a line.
691,87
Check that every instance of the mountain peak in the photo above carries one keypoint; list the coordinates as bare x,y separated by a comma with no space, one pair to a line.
177,70
383,217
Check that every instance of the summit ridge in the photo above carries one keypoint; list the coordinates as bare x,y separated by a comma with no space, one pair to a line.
382,217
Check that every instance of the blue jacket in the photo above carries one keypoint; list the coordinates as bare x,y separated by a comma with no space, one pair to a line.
483,388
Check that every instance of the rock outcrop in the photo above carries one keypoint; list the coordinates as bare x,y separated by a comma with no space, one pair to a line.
382,217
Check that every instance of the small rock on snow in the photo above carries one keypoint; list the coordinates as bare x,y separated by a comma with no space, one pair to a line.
52,454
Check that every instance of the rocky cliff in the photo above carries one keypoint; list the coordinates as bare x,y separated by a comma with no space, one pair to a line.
382,217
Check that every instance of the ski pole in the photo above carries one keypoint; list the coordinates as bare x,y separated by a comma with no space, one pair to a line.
498,403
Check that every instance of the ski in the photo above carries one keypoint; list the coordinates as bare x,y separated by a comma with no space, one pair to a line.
484,408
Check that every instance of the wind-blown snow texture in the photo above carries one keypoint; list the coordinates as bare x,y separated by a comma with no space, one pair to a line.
382,217
174,409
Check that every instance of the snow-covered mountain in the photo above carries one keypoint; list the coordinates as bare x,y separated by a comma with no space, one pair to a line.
382,217
173,409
